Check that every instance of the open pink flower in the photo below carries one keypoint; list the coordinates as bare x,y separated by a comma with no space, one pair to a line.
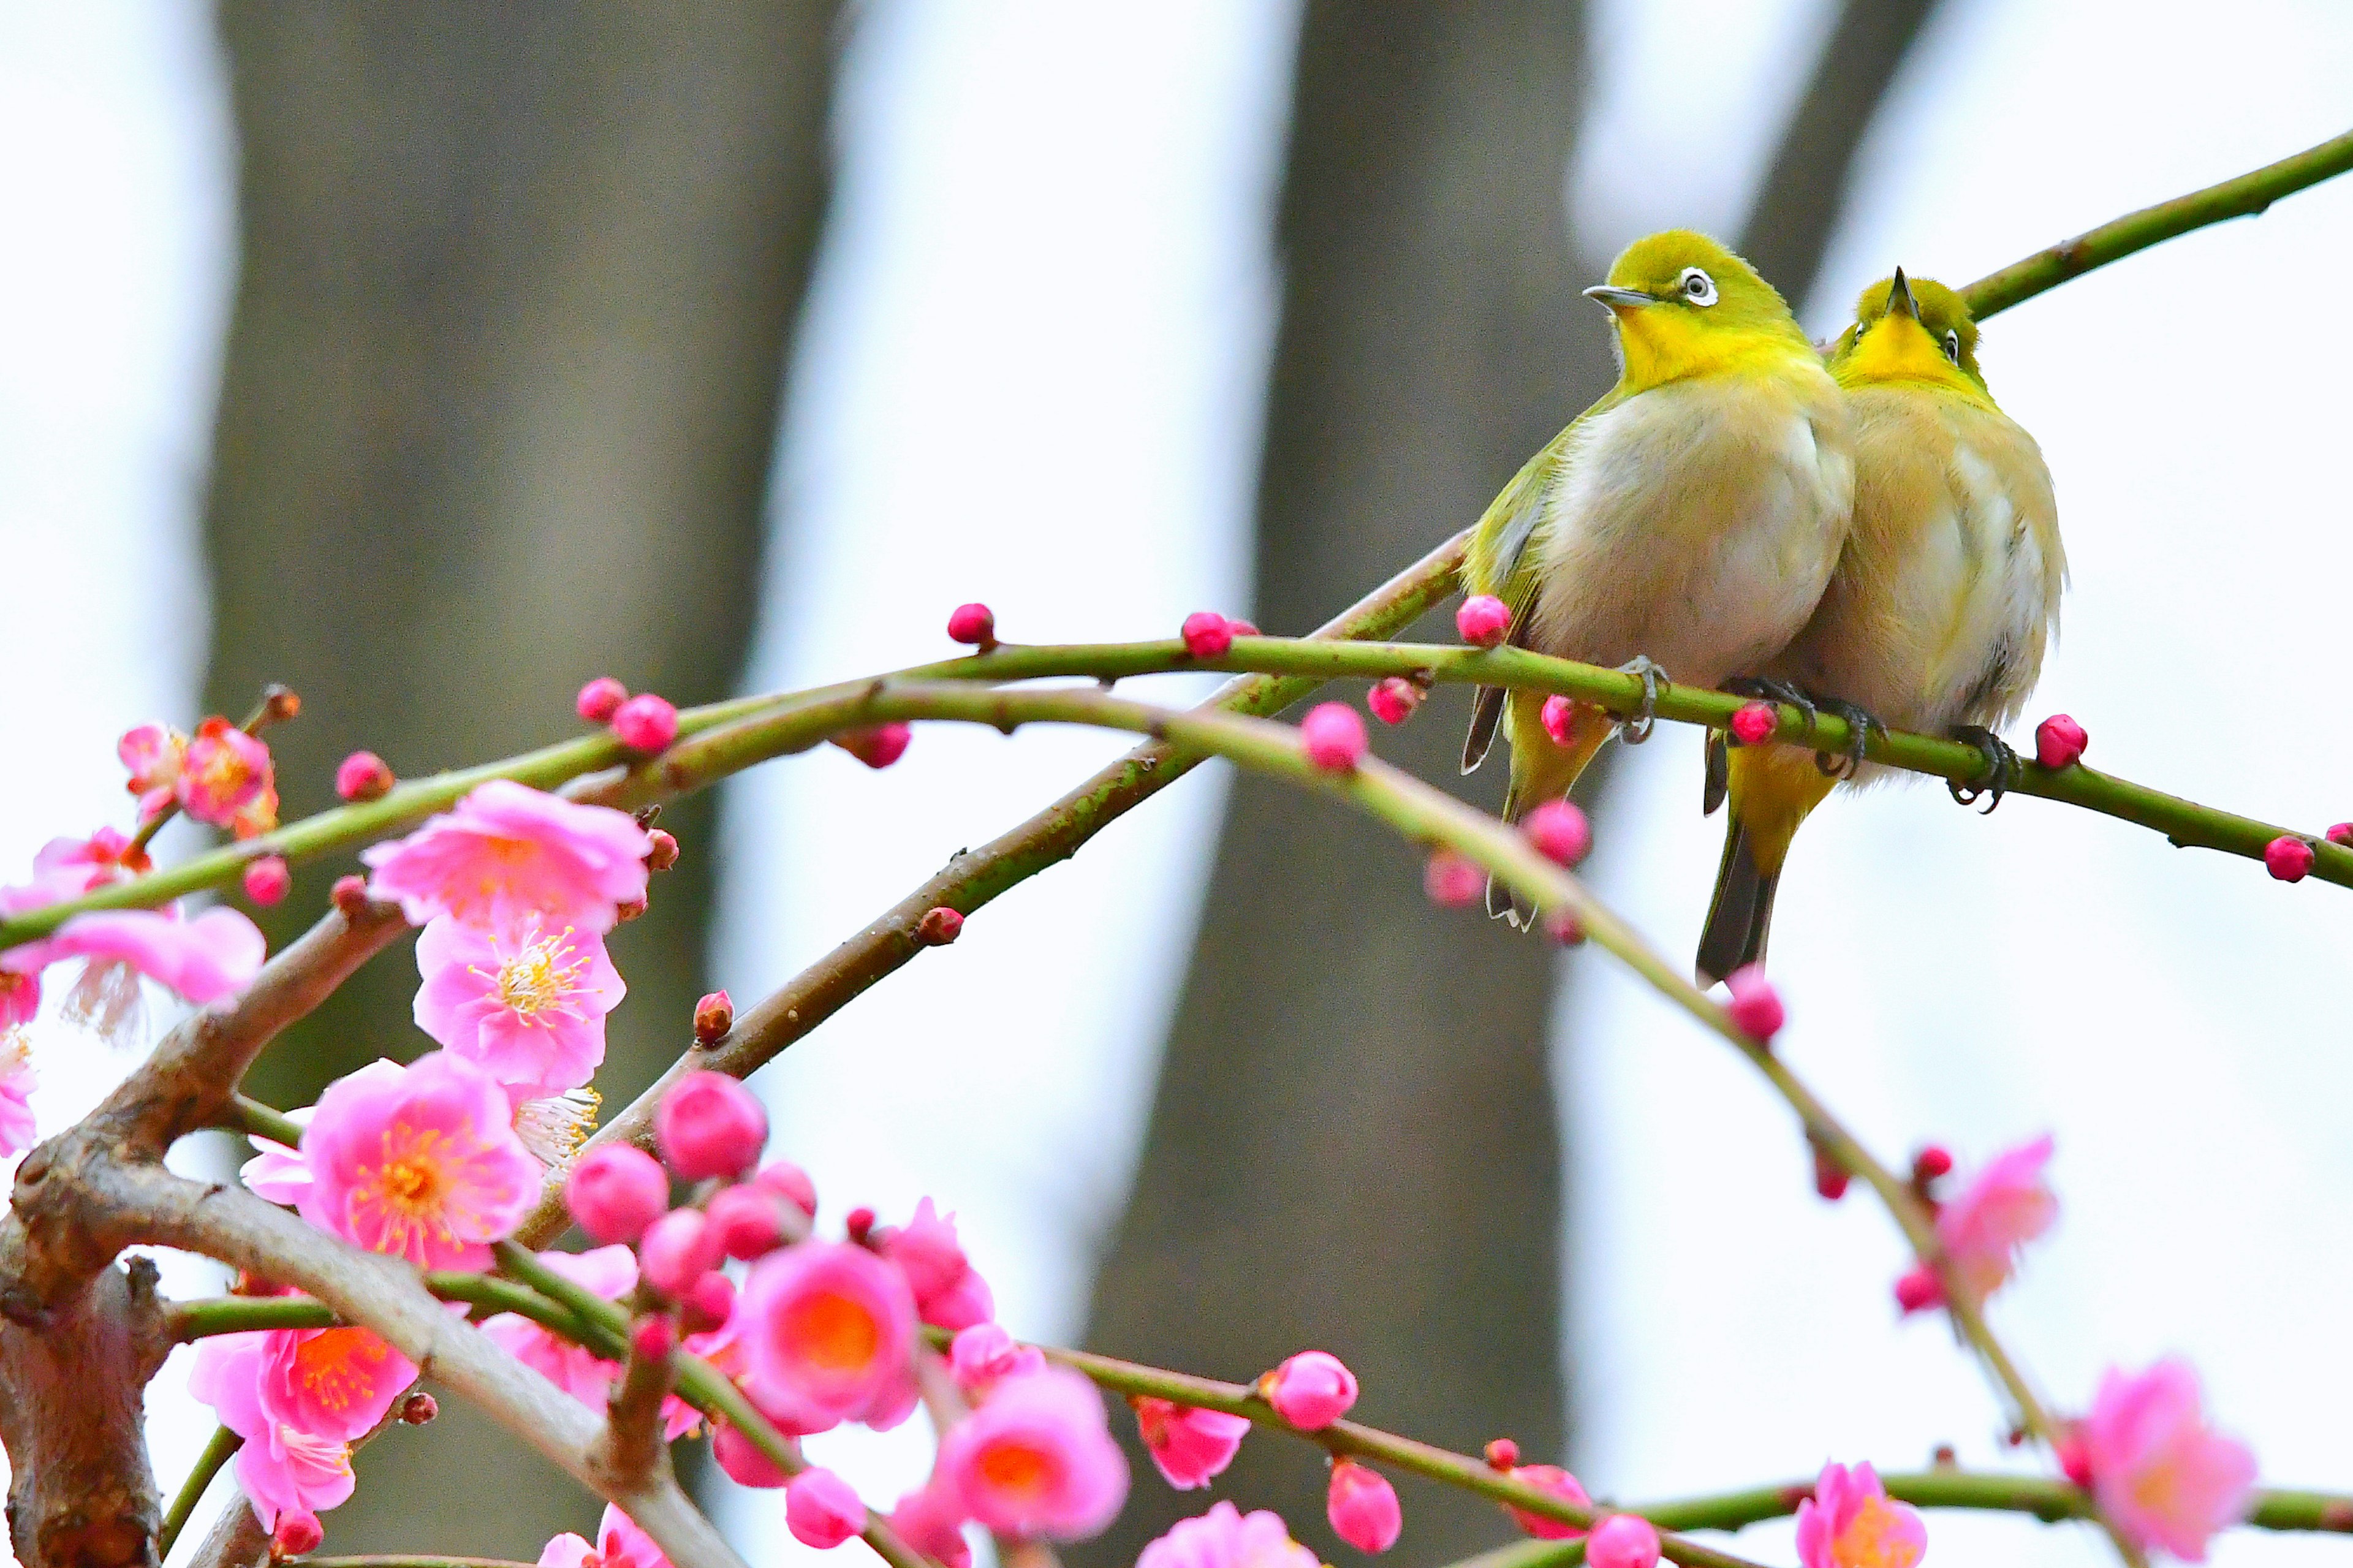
330,1382
1038,1458
1851,1523
931,1520
523,999
203,959
829,1336
17,1083
426,1167
2163,1476
1225,1537
507,848
608,1273
983,1354
949,1293
2006,1206
281,1468
152,754
222,773
1188,1445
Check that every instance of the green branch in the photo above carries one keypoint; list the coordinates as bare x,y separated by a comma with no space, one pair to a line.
2243,197
216,1453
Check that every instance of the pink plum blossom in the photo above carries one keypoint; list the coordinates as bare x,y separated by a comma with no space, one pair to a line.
931,1518
17,1085
568,1551
2006,1206
426,1167
523,999
1310,1389
224,774
1189,1447
1851,1523
2163,1477
281,1468
507,848
1225,1537
1623,1540
983,1354
330,1382
709,1124
152,754
204,959
616,1191
1363,1508
822,1510
1037,1458
828,1332
1549,1478
949,1293
620,1543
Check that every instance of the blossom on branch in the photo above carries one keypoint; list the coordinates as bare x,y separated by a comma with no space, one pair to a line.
607,1273
17,1083
828,1332
1038,1458
508,849
931,1520
281,1468
1363,1507
2163,1477
983,1354
949,1293
1189,1447
521,998
1225,1537
1851,1523
1549,1478
425,1165
2006,1205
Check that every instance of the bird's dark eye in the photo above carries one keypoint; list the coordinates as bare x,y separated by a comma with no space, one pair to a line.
1697,286
1953,345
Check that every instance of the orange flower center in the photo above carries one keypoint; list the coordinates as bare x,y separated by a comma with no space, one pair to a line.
338,1367
1019,1469
413,1184
1876,1539
833,1332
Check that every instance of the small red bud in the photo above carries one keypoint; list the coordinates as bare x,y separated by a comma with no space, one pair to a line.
267,879
600,699
1559,832
1450,880
350,896
2076,1457
858,1224
279,703
1333,736
2341,834
296,1535
878,747
939,927
1394,700
653,1337
628,911
713,1016
2059,741
664,854
1918,1290
1753,723
363,776
1484,620
2288,857
1555,716
1503,1454
418,1409
1829,1176
1931,1163
973,623
1207,635
1565,928
645,723
1755,1006
1944,1458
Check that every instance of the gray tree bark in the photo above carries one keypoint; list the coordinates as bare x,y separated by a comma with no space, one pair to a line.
1354,1143
497,415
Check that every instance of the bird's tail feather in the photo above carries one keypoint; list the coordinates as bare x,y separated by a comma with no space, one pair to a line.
1740,916
1543,770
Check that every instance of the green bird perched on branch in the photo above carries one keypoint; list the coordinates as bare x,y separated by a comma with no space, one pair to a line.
1687,522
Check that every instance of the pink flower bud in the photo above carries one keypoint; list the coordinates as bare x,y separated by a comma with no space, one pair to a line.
710,1125
1830,1177
713,1016
664,853
1363,1508
297,1533
615,1191
740,1458
1755,1006
645,723
1394,700
1190,1446
1565,928
350,896
1484,620
939,927
1335,737
2059,741
790,1183
2341,834
419,1409
1207,635
708,1304
1754,723
1549,1478
677,1251
268,879
1503,1454
1555,716
1311,1389
1242,629
2074,1456
1451,880
1623,1540
600,699
1918,1290
984,1354
1931,1163
746,1221
878,747
1558,831
363,776
2289,858
858,1224
652,1336
822,1509
973,623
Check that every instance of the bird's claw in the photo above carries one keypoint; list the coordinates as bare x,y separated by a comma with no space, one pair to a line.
1768,689
1860,726
1996,781
1637,730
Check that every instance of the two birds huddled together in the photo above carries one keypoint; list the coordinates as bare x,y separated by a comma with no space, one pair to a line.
1870,535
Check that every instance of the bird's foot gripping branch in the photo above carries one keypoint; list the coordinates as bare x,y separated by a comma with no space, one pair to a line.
713,1306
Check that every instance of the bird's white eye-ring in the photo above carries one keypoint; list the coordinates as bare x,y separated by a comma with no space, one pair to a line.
1953,345
1697,286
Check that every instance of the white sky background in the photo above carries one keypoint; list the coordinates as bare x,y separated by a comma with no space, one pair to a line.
1032,375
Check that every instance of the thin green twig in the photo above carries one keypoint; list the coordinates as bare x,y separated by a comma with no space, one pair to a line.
216,1453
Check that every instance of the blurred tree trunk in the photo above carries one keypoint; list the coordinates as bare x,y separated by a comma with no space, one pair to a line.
1353,1144
499,406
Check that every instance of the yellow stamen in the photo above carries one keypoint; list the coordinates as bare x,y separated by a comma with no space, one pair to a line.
339,1368
833,1332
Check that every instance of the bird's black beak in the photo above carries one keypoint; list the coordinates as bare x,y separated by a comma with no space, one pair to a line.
1620,299
1899,297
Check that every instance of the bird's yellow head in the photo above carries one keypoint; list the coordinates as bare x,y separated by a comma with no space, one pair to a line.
1686,306
1910,329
